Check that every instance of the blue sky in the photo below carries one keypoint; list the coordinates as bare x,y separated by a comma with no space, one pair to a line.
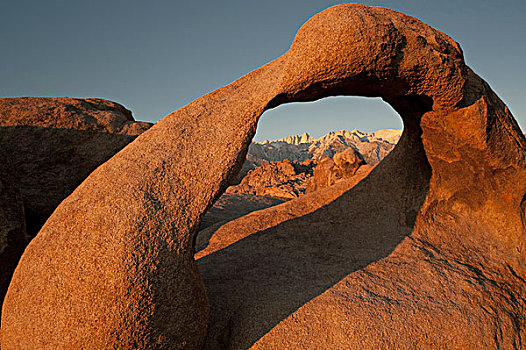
156,56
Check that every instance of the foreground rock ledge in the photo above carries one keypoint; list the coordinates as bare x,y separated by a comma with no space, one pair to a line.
113,267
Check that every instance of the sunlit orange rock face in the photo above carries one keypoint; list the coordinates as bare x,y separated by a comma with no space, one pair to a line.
428,251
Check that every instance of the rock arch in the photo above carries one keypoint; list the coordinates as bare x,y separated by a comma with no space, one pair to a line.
114,267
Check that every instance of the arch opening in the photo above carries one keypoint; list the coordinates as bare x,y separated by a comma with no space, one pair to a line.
295,152
294,252
325,115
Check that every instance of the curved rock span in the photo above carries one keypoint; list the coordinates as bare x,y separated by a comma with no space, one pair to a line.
436,259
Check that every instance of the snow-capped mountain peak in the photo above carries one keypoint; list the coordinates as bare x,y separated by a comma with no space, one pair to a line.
373,146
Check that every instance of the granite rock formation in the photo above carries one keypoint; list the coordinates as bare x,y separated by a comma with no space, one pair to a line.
113,267
330,170
55,143
93,114
284,179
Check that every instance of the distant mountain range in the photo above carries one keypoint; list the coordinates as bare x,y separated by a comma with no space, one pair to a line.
372,146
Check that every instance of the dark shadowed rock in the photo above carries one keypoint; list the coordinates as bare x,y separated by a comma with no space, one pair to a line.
55,143
233,205
13,238
426,252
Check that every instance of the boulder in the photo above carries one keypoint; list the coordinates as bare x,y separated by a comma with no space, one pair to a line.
93,114
330,170
55,143
433,252
347,162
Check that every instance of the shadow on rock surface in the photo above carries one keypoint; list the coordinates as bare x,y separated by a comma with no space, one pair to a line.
256,282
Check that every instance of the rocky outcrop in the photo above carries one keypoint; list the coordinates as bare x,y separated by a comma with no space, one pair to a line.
70,113
283,179
55,143
347,162
13,238
433,257
290,179
330,170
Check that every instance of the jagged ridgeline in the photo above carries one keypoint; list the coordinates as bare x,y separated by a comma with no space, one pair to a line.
372,146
